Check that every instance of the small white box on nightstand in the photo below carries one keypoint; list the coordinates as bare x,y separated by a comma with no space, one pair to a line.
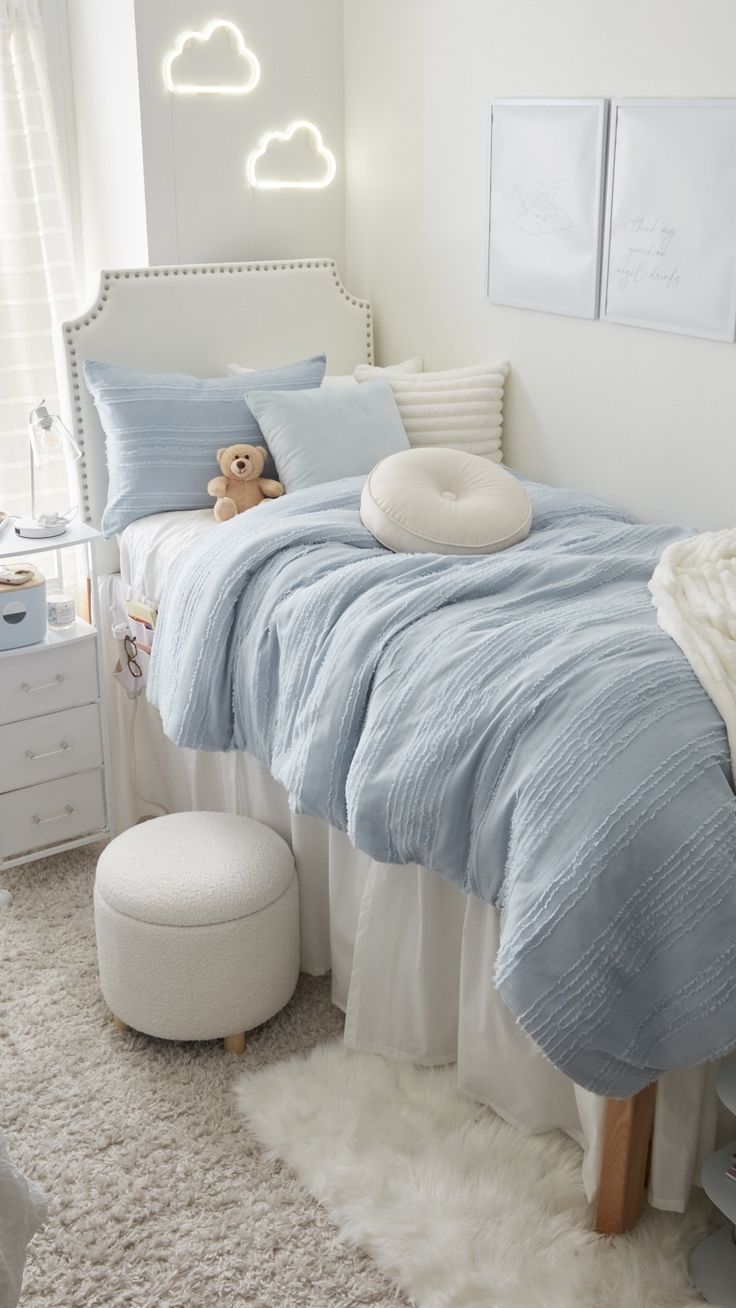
22,610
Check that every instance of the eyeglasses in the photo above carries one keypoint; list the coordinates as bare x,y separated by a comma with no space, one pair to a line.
130,646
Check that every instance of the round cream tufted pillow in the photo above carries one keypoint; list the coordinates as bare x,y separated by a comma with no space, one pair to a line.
440,501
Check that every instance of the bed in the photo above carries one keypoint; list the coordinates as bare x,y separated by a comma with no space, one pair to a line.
380,928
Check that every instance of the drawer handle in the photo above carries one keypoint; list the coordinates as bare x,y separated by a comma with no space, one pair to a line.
49,752
43,685
56,817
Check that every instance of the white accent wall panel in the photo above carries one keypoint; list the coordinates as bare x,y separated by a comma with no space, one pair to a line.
109,147
163,176
200,208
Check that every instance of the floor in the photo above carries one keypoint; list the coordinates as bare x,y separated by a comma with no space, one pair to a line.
158,1194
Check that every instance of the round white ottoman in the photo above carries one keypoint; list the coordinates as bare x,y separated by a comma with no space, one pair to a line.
442,501
197,920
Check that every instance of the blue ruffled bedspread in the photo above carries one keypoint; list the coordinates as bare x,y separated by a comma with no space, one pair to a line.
518,722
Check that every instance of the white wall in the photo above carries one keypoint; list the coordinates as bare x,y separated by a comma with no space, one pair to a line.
199,207
644,418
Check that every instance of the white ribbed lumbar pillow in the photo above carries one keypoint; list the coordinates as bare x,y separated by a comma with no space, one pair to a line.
460,409
444,502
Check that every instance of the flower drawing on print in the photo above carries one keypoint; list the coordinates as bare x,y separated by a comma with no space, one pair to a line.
537,212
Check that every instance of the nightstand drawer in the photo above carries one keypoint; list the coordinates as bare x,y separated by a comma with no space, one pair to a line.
52,813
41,679
54,745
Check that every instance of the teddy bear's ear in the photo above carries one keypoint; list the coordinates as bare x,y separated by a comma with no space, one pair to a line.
220,453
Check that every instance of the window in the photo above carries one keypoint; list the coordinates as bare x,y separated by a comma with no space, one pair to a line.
36,274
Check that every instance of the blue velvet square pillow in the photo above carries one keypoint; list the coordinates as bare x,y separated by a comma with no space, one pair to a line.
323,435
163,431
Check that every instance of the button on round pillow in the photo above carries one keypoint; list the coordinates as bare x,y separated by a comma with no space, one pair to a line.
440,501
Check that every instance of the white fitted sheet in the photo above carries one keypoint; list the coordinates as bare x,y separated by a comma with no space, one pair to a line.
411,955
149,546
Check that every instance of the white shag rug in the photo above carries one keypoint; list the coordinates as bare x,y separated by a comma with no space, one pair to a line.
452,1204
158,1198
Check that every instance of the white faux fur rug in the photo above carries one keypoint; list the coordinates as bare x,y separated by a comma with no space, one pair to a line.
451,1203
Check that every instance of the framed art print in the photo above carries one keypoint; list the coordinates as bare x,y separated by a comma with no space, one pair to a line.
547,171
670,256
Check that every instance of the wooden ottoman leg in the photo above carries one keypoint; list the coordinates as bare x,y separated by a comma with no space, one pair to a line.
119,1024
628,1134
234,1044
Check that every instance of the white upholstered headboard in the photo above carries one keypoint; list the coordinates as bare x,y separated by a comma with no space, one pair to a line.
196,319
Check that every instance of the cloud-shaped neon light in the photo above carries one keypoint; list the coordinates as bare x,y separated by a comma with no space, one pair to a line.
272,140
187,40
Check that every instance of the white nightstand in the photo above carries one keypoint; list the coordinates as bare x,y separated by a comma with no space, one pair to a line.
54,752
713,1262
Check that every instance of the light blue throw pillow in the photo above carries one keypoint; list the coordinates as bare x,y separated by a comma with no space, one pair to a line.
163,431
317,436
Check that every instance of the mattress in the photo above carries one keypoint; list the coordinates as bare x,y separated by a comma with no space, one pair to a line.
150,546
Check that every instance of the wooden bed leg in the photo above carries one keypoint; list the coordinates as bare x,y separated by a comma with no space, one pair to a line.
234,1044
628,1134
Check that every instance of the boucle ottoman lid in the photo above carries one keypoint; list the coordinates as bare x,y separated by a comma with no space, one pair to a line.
194,869
443,501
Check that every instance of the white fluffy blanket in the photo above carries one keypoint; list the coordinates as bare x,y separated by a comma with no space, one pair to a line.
693,589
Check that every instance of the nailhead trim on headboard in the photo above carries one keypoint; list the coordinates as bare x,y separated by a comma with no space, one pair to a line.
107,280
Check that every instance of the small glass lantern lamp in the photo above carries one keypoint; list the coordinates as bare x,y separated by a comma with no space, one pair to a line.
51,443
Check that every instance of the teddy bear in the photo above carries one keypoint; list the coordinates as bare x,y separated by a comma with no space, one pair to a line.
241,485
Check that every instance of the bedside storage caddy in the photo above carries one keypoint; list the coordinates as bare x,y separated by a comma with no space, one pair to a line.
54,771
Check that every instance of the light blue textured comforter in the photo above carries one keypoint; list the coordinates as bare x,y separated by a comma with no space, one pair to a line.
517,722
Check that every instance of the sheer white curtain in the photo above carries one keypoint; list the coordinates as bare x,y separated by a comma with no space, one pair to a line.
36,275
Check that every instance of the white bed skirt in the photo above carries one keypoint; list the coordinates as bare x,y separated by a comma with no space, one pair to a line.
411,956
